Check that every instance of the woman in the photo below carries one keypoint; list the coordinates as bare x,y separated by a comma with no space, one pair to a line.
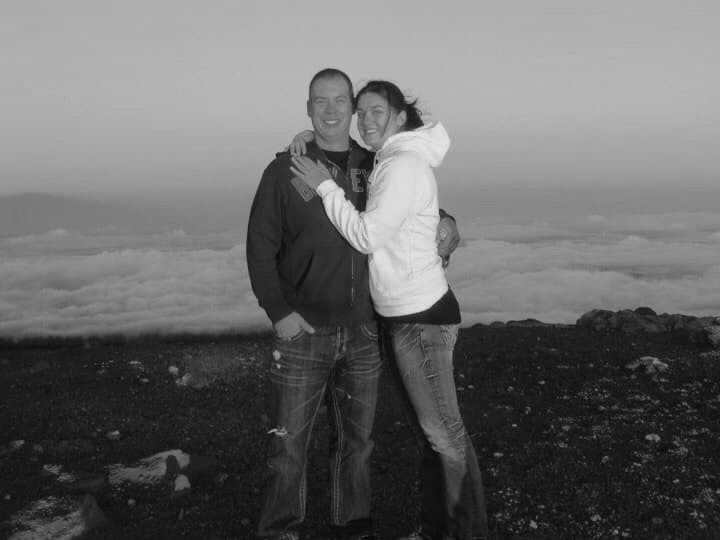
410,292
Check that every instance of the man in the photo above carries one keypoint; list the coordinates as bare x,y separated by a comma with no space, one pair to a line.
314,288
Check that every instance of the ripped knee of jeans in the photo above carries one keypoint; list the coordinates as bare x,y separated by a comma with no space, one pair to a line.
279,431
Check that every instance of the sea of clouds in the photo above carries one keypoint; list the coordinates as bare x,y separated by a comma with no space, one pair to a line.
62,283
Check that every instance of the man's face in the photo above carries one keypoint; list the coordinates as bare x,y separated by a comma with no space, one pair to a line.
330,110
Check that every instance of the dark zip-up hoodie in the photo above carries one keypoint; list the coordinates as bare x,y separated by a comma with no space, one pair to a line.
296,259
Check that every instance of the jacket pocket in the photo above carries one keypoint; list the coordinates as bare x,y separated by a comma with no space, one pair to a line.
291,338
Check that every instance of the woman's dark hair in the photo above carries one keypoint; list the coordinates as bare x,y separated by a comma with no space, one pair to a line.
396,99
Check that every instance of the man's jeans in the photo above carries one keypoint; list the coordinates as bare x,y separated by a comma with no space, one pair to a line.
453,498
341,366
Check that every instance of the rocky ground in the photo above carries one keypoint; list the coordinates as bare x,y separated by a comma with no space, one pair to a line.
581,434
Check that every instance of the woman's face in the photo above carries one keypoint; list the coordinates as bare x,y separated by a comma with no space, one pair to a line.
376,120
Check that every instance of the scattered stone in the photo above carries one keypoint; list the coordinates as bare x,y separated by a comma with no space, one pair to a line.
713,333
652,437
182,483
50,469
698,330
221,478
173,370
202,371
706,496
245,522
154,469
526,323
12,446
645,311
131,502
650,364
144,380
113,435
549,351
57,517
185,380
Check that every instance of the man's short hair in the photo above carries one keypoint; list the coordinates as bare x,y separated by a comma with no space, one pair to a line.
333,73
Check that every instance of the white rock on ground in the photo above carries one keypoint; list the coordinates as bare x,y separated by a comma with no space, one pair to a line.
12,446
147,471
651,364
56,518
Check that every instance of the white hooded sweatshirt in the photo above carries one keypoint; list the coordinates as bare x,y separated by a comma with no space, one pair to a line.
399,225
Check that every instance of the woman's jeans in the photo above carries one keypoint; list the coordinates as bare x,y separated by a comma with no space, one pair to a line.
453,499
340,366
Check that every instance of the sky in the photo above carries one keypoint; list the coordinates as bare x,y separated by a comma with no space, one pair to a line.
156,97
583,168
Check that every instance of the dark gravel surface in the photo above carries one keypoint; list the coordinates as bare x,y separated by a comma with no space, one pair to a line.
572,443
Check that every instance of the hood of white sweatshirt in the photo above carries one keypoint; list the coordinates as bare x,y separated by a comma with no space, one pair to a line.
430,141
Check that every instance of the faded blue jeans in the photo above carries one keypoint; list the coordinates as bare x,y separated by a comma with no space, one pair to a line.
342,367
453,498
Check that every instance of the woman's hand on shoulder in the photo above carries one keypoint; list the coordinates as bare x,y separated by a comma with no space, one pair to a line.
298,146
311,172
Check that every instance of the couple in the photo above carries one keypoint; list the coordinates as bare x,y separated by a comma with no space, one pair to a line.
313,220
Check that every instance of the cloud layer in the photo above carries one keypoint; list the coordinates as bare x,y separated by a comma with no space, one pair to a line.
128,292
64,284
557,271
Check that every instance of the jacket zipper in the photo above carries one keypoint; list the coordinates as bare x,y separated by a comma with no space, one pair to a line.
352,255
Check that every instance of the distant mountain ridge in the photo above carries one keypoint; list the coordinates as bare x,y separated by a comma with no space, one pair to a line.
34,213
